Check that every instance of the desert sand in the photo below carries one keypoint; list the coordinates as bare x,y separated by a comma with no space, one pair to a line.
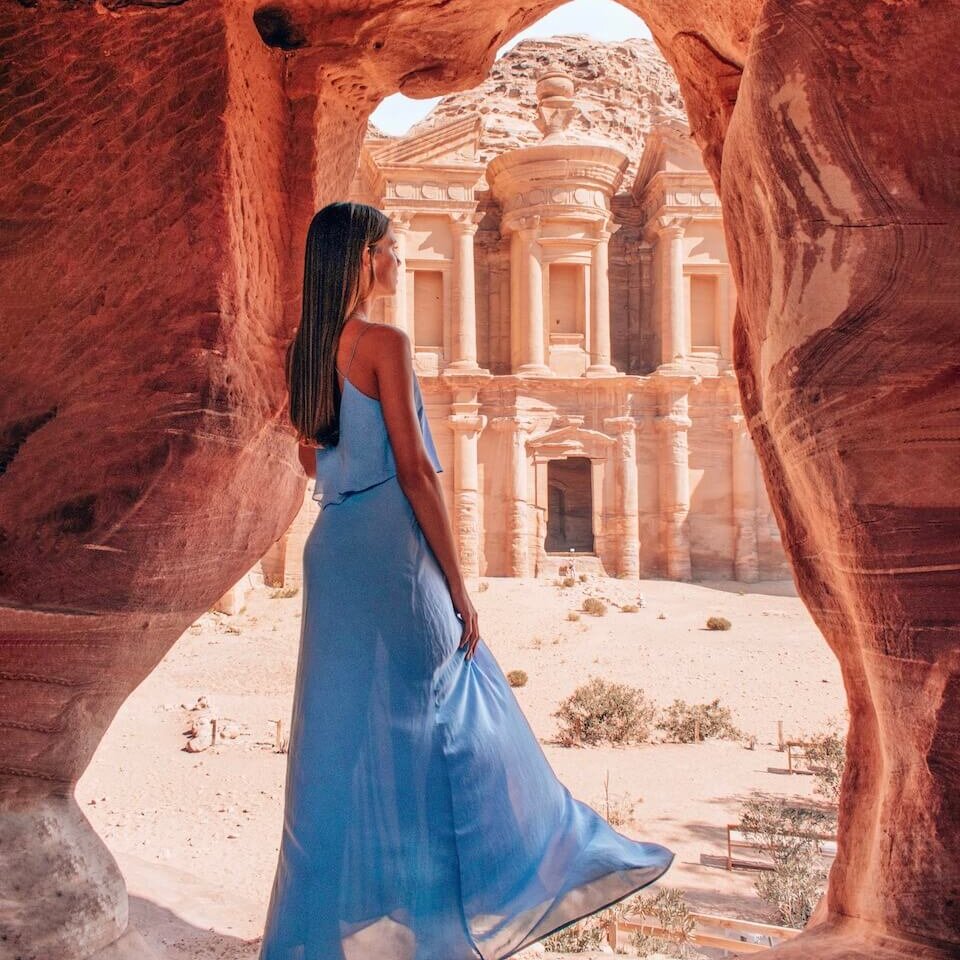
197,834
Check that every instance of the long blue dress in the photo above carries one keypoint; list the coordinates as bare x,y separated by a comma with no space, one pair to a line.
422,820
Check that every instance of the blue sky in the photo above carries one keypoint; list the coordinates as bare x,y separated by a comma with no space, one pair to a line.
602,19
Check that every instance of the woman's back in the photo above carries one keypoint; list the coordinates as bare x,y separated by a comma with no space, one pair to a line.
364,456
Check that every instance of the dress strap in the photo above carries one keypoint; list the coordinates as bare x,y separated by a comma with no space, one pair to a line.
353,351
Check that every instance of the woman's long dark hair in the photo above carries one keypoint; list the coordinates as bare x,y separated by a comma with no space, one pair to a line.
332,288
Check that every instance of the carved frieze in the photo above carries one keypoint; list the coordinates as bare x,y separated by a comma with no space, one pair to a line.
431,191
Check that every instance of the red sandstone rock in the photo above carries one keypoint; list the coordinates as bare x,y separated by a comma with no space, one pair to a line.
159,169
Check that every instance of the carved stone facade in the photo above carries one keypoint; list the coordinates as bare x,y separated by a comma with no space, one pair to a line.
560,314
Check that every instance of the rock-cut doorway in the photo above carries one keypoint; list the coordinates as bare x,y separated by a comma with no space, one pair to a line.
569,506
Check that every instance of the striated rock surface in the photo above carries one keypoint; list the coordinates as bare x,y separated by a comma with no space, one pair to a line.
161,163
622,89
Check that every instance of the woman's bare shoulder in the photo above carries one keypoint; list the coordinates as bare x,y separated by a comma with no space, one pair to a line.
386,338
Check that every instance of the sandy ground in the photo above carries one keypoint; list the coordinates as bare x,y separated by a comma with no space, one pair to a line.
197,834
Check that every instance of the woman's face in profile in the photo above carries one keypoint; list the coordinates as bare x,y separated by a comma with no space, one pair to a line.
386,264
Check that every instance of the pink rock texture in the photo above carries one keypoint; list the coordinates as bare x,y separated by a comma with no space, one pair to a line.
161,163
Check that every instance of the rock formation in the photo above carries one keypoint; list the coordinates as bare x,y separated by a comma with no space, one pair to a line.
161,162
622,89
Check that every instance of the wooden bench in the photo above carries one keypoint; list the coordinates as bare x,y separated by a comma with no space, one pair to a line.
710,931
733,828
796,750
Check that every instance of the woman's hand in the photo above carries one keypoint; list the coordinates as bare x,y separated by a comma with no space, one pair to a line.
467,613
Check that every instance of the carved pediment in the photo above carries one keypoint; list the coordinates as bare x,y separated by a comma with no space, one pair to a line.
669,148
455,142
573,440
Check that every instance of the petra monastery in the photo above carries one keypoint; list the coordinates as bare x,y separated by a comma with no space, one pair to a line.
567,292
571,319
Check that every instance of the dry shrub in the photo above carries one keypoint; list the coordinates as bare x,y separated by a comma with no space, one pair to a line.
587,934
629,608
599,711
595,606
718,623
616,808
517,678
283,593
679,720
573,615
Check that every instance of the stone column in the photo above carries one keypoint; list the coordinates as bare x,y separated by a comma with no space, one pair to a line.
464,333
626,521
396,307
675,325
674,464
526,304
466,494
515,466
632,260
746,558
645,322
600,365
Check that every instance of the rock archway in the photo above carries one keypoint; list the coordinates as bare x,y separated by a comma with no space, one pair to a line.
161,162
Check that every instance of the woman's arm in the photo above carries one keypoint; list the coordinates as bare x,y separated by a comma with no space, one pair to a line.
416,473
308,458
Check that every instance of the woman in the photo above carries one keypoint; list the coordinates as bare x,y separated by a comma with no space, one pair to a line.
422,820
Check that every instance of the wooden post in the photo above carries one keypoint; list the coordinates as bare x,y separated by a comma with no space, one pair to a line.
612,933
213,730
780,735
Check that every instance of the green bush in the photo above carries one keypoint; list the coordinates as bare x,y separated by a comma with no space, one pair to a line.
718,623
679,720
798,878
517,678
600,711
826,757
669,909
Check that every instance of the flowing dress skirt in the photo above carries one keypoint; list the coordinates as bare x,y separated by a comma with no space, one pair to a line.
422,820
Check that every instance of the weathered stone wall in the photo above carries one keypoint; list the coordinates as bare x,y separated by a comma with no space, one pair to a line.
144,239
842,217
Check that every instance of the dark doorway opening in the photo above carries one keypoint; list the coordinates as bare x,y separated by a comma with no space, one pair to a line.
569,506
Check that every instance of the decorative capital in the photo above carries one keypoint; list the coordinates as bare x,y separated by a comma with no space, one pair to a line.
737,424
672,227
466,423
465,221
672,422
524,224
620,425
